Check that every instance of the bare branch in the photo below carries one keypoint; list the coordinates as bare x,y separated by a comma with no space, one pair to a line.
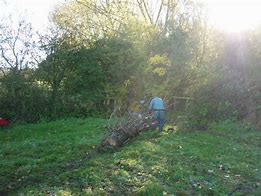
142,9
147,11
159,12
5,58
167,17
2,70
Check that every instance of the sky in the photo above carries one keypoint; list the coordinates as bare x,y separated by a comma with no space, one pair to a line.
34,11
234,15
226,15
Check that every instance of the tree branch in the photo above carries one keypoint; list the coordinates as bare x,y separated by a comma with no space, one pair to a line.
161,5
5,58
147,11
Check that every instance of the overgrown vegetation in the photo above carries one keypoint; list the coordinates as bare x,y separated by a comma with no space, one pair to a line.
103,55
61,158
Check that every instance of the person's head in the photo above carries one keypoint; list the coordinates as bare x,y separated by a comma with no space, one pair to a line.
148,96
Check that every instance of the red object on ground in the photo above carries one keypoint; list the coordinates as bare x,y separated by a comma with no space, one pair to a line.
4,122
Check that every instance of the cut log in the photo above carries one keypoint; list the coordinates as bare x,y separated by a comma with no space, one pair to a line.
128,131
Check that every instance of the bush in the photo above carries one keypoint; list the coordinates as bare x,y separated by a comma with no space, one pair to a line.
231,125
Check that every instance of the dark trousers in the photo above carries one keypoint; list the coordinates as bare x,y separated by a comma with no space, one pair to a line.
158,115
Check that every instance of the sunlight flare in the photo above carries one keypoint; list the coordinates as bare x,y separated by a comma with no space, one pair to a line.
234,15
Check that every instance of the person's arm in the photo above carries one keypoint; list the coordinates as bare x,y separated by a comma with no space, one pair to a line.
151,105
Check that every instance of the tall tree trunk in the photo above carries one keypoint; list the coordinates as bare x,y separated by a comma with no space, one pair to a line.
54,101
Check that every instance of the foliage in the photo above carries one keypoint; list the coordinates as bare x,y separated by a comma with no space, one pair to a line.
17,59
230,90
231,125
102,56
22,99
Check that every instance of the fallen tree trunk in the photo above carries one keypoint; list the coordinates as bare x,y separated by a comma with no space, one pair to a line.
125,132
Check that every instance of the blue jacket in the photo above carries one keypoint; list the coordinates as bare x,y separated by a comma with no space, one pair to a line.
156,104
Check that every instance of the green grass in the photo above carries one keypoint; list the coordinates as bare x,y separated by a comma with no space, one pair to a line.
60,158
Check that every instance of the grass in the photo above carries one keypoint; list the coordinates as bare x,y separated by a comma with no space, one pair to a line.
60,158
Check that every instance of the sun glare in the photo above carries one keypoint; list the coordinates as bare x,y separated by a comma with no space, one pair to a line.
234,15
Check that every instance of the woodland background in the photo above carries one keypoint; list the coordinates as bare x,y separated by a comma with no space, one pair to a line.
101,55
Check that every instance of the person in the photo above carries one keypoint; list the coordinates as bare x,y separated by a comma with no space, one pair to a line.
156,107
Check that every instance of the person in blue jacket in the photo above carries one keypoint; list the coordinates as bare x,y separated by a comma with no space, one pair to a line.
156,107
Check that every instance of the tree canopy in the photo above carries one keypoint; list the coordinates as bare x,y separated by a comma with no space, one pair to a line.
106,54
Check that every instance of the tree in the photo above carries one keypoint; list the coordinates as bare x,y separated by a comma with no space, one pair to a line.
17,47
90,20
240,69
52,70
103,74
17,59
